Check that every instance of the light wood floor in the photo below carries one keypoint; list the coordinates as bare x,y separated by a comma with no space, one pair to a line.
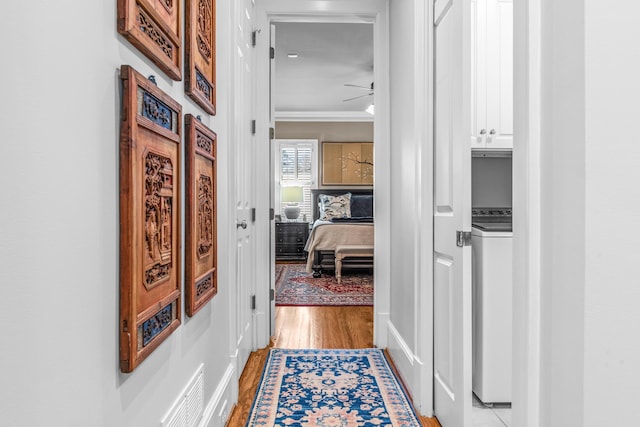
308,327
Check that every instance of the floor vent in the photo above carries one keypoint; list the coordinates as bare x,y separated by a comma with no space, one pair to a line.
187,411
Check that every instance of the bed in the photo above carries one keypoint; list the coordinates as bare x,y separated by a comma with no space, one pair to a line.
355,229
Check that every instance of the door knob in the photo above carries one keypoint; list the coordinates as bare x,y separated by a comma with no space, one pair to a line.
483,132
492,132
242,224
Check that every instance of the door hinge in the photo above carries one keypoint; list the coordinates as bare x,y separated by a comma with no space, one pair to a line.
254,37
253,127
272,294
463,238
272,52
253,302
272,214
272,133
253,214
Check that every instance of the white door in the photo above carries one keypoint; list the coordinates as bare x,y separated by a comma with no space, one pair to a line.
243,143
452,205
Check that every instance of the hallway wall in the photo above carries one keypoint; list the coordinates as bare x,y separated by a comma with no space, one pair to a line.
411,315
564,214
590,211
59,228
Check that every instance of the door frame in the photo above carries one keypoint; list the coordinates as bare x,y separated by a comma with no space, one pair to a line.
527,228
371,11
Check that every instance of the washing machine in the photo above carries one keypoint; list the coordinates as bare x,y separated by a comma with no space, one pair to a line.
492,283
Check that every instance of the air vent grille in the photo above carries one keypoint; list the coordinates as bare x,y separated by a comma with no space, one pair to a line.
187,410
194,400
179,419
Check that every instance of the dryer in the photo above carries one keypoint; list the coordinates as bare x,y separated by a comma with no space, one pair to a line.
492,282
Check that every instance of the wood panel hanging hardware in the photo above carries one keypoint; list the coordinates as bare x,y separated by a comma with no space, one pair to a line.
153,26
150,298
200,53
201,282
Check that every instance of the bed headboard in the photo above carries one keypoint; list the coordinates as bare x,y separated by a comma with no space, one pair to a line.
334,192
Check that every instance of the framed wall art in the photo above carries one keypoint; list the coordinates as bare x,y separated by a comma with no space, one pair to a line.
200,53
150,130
153,26
347,163
201,282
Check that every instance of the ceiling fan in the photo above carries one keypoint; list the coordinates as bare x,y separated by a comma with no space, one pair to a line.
369,88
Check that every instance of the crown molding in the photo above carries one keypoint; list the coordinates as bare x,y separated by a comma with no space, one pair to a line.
323,116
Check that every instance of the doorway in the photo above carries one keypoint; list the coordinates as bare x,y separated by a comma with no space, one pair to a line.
342,12
322,85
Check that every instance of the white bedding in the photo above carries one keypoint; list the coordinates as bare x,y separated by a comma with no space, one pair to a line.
326,235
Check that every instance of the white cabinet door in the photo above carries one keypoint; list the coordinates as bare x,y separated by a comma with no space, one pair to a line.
452,213
492,74
499,51
478,74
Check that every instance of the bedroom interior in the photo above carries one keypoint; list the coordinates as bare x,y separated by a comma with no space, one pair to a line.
331,216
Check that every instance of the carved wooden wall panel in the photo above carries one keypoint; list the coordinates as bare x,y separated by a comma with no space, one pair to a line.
200,57
150,297
153,26
201,282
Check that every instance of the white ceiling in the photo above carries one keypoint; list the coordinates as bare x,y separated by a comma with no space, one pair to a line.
330,55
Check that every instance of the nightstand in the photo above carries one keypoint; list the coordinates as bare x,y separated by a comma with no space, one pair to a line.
291,238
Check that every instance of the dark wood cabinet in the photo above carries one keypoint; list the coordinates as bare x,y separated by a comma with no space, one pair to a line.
291,238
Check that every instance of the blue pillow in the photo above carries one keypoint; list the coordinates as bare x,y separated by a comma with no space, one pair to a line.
361,206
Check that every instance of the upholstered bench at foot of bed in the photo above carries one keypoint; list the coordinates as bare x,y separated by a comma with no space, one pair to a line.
350,251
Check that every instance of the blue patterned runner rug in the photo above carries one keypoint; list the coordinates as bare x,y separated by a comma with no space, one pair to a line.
330,388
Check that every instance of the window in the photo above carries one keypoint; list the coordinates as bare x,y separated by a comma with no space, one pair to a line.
296,165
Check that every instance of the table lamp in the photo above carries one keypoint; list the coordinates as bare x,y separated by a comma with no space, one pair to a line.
292,196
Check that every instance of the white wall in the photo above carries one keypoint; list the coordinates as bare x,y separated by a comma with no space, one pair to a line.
563,217
411,315
612,204
59,227
590,213
403,170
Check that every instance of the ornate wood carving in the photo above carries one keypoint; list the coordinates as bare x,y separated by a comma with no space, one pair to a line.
158,218
149,218
153,26
201,241
205,216
200,53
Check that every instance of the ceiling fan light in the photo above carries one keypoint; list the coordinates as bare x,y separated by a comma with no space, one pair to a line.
370,109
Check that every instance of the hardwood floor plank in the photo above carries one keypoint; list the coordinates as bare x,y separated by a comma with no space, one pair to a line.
324,327
249,381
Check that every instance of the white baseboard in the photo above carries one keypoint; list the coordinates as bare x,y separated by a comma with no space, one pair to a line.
380,334
219,407
404,359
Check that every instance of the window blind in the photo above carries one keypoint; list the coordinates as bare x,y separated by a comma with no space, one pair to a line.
297,167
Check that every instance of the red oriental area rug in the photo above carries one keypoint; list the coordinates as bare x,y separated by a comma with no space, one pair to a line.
294,286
